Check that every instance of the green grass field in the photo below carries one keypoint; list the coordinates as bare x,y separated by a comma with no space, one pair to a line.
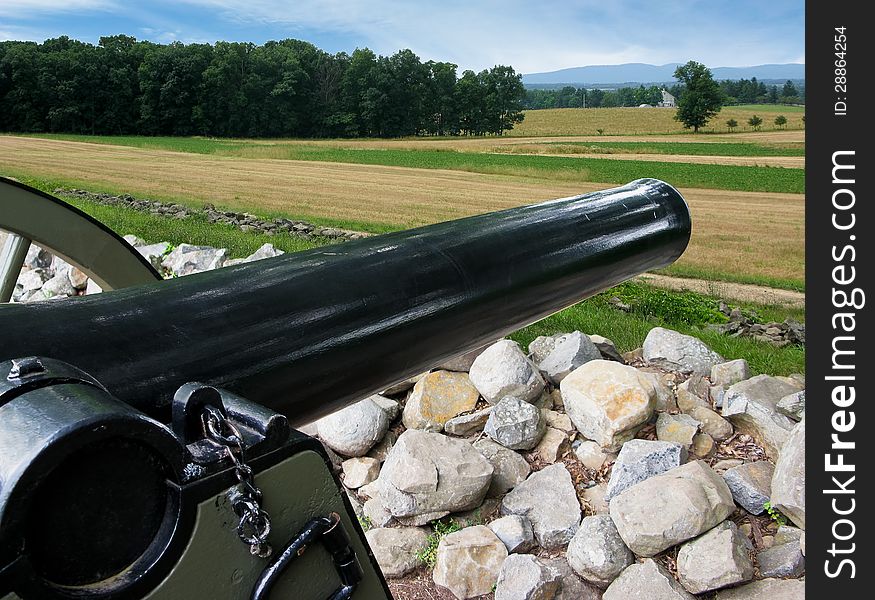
685,148
727,177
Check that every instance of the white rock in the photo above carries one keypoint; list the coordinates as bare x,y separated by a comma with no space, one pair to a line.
788,482
569,352
608,402
596,552
642,459
716,559
395,548
677,428
186,259
548,499
510,469
646,581
672,350
468,562
524,577
353,430
751,406
515,531
360,471
671,508
503,370
515,424
429,472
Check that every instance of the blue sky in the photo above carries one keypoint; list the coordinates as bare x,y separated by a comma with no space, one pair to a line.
530,35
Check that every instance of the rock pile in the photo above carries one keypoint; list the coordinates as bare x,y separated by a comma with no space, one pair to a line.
241,220
566,473
779,334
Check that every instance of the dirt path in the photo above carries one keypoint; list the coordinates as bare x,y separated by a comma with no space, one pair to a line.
728,291
791,162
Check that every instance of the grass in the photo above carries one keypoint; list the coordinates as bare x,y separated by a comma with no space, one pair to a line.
686,312
684,148
726,177
638,121
196,229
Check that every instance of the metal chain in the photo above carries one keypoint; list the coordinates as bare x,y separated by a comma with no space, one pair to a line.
254,525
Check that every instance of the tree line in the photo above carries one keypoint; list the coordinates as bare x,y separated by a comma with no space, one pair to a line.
287,88
741,91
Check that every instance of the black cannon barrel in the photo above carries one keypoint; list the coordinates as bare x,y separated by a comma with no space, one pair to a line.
310,332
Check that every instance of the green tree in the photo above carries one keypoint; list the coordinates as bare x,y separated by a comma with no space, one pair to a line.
702,98
755,122
780,121
731,124
789,89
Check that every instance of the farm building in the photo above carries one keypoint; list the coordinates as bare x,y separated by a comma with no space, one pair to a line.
667,100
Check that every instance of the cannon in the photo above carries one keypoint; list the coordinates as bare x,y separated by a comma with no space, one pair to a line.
146,429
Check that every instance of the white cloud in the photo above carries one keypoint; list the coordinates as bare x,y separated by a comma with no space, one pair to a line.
531,36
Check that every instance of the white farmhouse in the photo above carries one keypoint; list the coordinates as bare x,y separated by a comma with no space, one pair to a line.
667,100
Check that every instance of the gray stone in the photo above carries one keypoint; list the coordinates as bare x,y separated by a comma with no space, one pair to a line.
429,472
360,471
788,533
28,282
92,288
468,562
468,424
377,513
693,393
716,559
568,353
462,362
154,253
596,552
37,258
608,402
553,445
671,508
186,259
713,424
381,449
395,548
751,406
503,370
751,485
524,577
591,454
353,430
607,348
679,428
678,352
370,490
548,499
515,531
792,405
391,407
647,580
573,587
766,589
59,286
515,424
788,482
437,398
730,372
510,469
782,560
422,519
641,459
77,279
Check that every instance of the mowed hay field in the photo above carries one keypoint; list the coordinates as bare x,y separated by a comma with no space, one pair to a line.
641,121
738,236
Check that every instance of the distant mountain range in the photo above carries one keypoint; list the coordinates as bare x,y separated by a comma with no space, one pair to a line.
644,73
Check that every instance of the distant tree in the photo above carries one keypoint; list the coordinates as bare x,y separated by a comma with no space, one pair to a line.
731,124
702,98
773,94
780,121
755,122
789,89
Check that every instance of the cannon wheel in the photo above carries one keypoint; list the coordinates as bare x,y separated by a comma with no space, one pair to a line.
32,216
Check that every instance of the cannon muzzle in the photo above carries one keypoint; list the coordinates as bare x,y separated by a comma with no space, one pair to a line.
307,333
